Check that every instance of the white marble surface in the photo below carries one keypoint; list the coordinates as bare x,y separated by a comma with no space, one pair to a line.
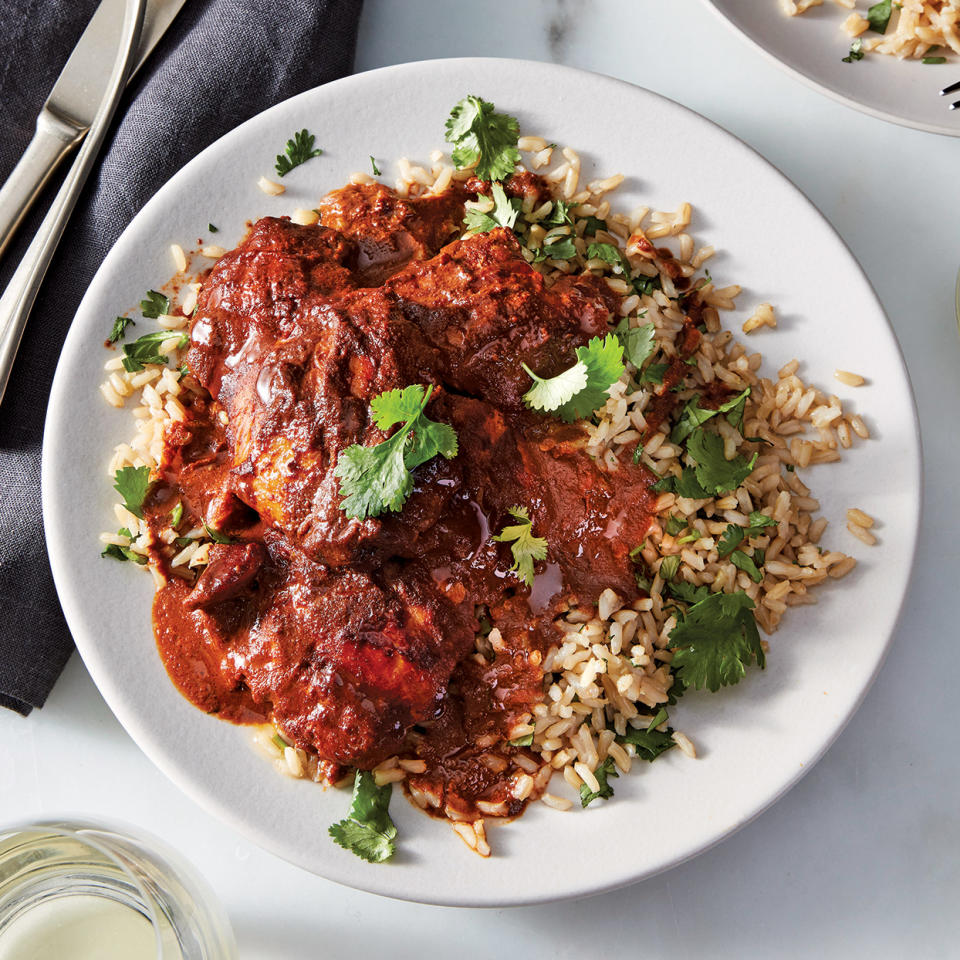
862,858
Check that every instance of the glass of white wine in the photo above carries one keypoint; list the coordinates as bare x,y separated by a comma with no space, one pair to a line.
85,891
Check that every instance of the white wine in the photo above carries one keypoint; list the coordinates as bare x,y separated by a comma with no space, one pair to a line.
80,927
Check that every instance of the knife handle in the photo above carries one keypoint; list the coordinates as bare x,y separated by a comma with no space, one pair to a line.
53,140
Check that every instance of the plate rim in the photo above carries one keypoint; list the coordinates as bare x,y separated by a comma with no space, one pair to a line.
822,87
208,799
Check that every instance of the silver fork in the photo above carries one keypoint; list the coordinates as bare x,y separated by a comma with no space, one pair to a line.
952,89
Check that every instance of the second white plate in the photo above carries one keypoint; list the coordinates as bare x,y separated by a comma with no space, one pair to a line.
812,48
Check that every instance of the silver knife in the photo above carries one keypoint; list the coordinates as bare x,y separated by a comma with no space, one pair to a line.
112,50
69,110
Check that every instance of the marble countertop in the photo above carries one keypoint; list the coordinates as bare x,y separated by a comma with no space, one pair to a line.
862,857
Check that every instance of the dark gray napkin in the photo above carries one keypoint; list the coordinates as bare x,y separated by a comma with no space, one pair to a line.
221,62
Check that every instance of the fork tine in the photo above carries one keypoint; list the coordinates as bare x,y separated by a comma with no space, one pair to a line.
950,89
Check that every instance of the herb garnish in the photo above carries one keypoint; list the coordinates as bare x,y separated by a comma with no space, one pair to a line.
503,214
123,553
734,535
878,16
146,349
176,515
374,167
712,474
693,415
583,388
118,331
602,773
132,483
556,247
483,137
378,478
934,60
298,150
715,641
215,535
638,342
154,305
523,544
367,830
856,51
650,743
212,228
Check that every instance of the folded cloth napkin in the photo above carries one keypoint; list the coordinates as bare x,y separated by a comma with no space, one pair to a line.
221,62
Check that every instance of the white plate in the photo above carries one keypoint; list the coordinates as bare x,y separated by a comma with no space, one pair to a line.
812,48
756,739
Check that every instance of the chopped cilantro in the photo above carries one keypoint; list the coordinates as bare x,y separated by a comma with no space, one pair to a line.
374,167
146,349
556,248
176,515
654,373
687,592
745,563
669,567
645,285
298,150
526,741
483,137
523,544
675,525
650,743
878,16
713,474
154,305
592,225
119,328
602,773
504,213
638,342
558,215
584,387
715,641
279,742
610,254
378,478
215,535
934,60
123,553
733,536
694,415
368,830
856,51
212,228
132,483
664,484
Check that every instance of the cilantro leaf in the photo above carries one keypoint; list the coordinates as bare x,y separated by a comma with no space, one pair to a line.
378,478
675,524
298,150
654,373
592,225
146,349
118,331
687,592
558,215
504,213
479,135
523,544
367,830
745,563
215,535
176,515
212,228
716,641
713,472
612,255
373,165
933,60
602,773
669,567
638,342
694,415
878,16
556,247
733,536
650,743
132,483
584,387
856,52
123,553
526,741
154,305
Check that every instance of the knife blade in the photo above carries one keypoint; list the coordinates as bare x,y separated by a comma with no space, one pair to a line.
69,110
